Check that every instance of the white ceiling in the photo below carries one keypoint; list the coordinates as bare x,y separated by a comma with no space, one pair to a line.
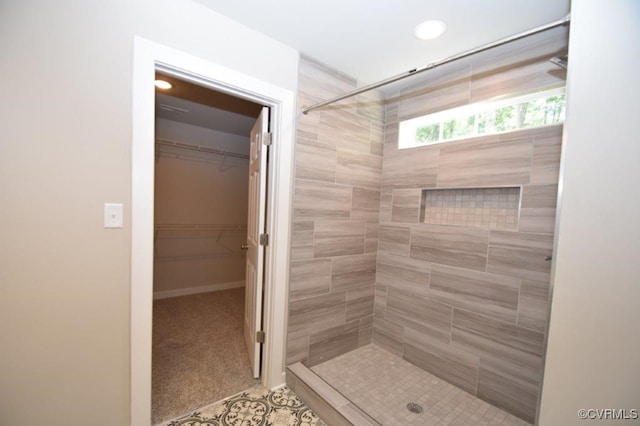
372,39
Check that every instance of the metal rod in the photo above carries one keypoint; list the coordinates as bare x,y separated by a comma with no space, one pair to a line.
432,65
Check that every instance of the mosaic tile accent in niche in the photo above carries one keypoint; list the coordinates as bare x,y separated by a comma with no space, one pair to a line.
492,208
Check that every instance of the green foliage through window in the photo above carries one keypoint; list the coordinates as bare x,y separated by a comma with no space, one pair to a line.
538,109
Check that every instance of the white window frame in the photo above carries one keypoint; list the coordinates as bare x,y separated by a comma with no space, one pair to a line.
408,128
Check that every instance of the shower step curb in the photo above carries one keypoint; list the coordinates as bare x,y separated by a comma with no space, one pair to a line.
324,400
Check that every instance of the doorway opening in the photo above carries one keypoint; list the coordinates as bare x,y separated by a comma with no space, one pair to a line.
200,351
150,58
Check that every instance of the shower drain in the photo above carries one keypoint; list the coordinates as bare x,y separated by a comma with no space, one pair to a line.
414,408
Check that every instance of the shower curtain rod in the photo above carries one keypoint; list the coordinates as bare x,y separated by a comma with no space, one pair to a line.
432,65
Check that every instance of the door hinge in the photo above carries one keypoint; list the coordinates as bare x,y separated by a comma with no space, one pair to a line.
267,138
260,337
264,239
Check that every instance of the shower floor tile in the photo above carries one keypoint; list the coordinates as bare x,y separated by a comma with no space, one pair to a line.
382,384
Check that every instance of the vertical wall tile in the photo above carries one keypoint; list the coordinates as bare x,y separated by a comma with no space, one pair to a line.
302,240
348,272
411,168
317,313
358,169
402,273
309,278
388,335
338,238
486,294
371,238
451,364
336,200
365,205
520,255
360,302
486,161
394,239
533,305
420,314
406,205
315,162
450,245
332,342
545,164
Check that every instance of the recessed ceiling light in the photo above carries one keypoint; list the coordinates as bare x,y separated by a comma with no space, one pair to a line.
163,85
428,30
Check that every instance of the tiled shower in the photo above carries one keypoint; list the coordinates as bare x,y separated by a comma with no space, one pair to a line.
438,255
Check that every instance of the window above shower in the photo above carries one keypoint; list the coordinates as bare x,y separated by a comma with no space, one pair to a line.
500,115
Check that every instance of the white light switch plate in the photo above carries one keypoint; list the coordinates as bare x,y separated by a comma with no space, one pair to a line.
112,215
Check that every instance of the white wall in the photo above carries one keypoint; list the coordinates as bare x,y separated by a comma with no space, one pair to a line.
65,150
594,338
197,188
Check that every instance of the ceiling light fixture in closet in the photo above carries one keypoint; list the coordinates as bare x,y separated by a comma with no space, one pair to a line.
429,30
163,84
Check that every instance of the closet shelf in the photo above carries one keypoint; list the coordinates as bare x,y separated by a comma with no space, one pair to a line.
199,227
197,148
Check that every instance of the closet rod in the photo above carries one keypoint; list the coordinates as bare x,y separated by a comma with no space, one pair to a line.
432,65
174,144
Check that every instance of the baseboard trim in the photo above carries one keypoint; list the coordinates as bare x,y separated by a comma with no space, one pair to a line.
195,290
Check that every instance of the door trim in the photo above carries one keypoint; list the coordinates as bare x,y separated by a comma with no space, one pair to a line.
149,57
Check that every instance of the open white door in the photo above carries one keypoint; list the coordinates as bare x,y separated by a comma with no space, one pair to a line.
254,246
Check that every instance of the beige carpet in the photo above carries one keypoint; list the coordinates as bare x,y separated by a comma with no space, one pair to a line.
199,355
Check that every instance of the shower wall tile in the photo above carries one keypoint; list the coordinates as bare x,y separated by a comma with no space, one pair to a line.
344,129
388,335
376,146
537,196
338,238
360,302
335,200
496,339
302,240
406,205
310,278
315,162
358,169
371,238
517,79
402,273
333,342
520,255
451,364
394,239
336,211
297,347
533,305
545,164
538,220
365,205
505,386
386,200
414,168
479,292
450,245
486,161
348,272
445,92
365,331
430,318
380,302
316,313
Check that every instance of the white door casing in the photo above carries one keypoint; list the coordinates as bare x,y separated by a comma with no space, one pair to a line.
148,57
255,251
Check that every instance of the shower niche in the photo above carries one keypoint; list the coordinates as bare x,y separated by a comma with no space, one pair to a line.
488,208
